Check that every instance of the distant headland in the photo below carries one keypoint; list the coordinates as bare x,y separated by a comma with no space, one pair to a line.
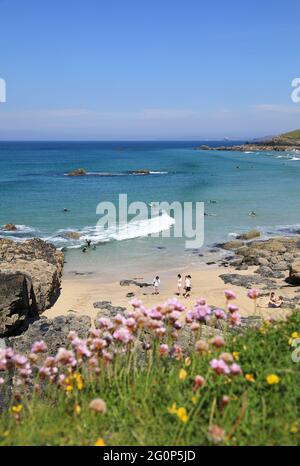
283,142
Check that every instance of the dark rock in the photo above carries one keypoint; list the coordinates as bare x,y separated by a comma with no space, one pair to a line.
53,331
77,172
16,304
294,273
234,244
139,172
134,282
281,266
249,235
108,309
266,271
72,234
246,281
41,265
9,227
130,295
242,267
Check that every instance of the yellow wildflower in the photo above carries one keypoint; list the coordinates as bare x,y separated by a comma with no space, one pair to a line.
182,414
77,409
294,428
236,355
250,377
173,409
17,408
272,379
79,381
194,400
295,335
182,374
100,442
69,388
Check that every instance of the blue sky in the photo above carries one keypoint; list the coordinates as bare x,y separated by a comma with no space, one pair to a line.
148,69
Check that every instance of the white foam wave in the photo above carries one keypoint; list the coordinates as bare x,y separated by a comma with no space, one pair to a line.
97,234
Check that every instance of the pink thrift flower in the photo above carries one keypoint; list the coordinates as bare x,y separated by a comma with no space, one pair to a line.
39,347
220,314
105,322
119,319
161,331
189,318
20,360
235,369
123,335
135,303
202,313
218,342
163,349
1,380
199,382
72,334
235,319
131,323
253,293
177,325
201,301
175,315
229,295
64,356
219,366
232,308
155,314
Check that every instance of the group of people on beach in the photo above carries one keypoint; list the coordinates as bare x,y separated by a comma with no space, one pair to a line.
185,291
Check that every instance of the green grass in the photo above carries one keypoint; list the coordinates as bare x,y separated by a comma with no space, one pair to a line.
138,401
292,134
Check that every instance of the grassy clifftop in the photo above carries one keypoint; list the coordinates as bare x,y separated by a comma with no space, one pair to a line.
295,135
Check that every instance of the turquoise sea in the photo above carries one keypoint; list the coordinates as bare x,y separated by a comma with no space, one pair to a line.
34,190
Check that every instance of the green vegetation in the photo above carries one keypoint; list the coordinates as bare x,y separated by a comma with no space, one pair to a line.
292,135
163,404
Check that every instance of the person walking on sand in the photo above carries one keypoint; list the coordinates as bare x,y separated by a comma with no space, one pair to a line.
179,284
156,283
188,286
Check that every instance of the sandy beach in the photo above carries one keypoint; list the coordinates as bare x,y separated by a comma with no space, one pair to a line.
78,294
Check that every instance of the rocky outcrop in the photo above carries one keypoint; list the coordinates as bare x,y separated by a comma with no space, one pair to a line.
294,273
9,227
139,172
72,235
30,274
277,253
77,172
232,245
54,332
249,235
15,300
247,281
